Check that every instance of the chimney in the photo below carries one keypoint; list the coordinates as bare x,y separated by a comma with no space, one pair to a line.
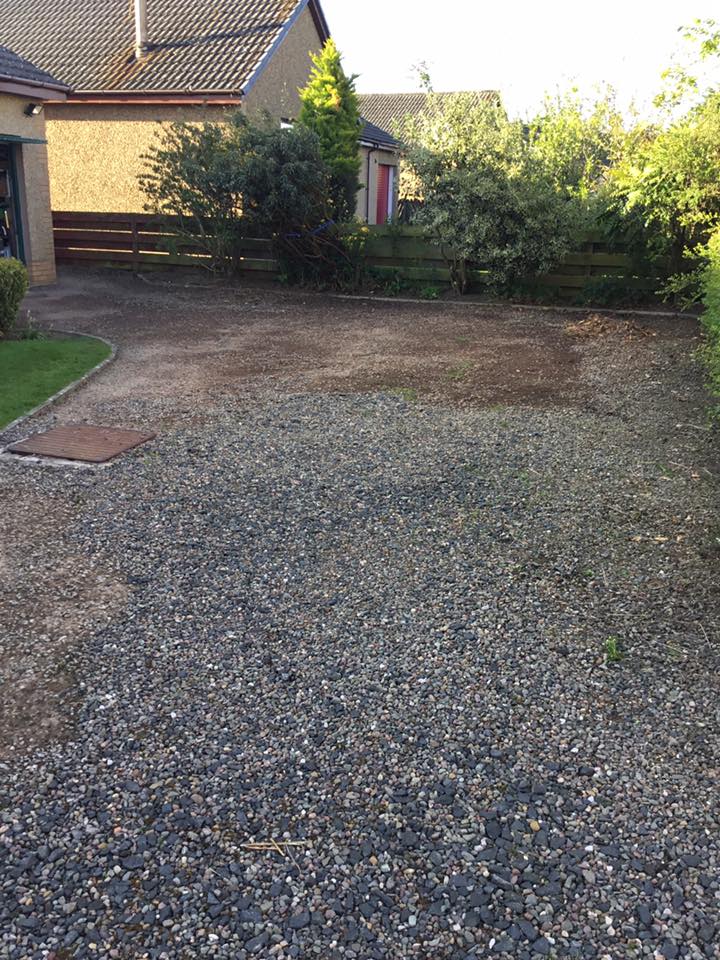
141,33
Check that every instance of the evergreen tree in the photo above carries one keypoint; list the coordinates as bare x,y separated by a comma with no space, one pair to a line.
330,108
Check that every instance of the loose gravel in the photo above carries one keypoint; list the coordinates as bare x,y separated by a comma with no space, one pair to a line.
357,701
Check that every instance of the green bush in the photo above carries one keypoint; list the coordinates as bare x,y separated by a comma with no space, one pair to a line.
711,317
13,287
221,182
488,197
666,188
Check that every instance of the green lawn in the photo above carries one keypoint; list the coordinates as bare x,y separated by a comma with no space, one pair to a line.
33,370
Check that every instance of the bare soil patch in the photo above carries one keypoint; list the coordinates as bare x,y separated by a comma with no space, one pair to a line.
196,339
51,599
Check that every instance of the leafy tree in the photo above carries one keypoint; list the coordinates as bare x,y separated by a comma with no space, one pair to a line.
578,140
686,81
487,196
669,183
330,108
223,182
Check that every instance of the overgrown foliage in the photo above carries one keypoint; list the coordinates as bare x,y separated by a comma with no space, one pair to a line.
711,316
578,140
13,287
224,183
331,109
667,186
488,196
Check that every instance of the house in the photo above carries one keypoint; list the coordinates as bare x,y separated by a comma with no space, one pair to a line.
379,178
25,217
136,65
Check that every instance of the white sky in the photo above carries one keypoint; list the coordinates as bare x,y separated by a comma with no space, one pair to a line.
520,47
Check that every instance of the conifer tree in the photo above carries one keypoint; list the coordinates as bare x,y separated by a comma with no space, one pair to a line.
330,107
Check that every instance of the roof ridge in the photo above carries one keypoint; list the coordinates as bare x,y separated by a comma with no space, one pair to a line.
423,93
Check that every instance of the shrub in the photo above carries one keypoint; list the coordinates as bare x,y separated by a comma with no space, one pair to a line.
224,182
711,317
488,197
667,187
13,287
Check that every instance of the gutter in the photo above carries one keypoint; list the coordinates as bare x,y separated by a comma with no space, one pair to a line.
39,84
379,145
150,98
32,91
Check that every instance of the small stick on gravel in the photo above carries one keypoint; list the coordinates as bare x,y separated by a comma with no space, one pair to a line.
273,845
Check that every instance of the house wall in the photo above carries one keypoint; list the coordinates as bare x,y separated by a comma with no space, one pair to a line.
276,89
96,150
34,186
369,179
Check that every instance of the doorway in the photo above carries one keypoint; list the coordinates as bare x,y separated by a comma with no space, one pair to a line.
11,238
385,193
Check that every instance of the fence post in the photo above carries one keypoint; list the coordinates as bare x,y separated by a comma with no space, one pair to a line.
135,245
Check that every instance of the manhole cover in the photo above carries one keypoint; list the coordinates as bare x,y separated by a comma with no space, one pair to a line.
81,442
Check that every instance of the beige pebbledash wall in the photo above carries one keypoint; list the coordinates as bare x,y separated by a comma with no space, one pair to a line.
276,89
34,187
96,151
376,157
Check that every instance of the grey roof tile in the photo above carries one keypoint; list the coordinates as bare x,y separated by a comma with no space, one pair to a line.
386,110
196,46
16,68
374,134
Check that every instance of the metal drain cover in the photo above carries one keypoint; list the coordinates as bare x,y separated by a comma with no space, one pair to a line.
81,442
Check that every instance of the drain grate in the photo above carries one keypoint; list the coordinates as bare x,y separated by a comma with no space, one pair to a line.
81,442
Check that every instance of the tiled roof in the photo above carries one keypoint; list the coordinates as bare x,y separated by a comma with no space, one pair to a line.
388,109
18,70
195,46
373,134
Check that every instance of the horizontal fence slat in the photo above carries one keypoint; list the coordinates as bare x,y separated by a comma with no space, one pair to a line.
596,259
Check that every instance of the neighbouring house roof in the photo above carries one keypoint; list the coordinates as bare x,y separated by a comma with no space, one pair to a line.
374,136
388,109
16,70
195,46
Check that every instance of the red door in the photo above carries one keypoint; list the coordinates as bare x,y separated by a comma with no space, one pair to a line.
383,192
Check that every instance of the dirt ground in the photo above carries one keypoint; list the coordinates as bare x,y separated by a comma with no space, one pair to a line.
191,338
186,342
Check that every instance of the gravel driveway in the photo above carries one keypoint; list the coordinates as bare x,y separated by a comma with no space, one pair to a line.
323,672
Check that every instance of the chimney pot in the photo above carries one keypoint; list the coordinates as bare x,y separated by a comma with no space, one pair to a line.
141,33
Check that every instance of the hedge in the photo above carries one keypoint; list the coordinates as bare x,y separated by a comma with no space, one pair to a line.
711,316
13,287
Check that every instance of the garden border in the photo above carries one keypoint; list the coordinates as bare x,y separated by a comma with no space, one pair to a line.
70,388
560,308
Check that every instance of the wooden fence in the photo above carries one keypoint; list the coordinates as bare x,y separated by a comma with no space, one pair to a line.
142,242
403,251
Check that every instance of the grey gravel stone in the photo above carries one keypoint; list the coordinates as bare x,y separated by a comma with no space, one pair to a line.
376,630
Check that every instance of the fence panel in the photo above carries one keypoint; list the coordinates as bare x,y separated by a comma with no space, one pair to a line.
141,241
